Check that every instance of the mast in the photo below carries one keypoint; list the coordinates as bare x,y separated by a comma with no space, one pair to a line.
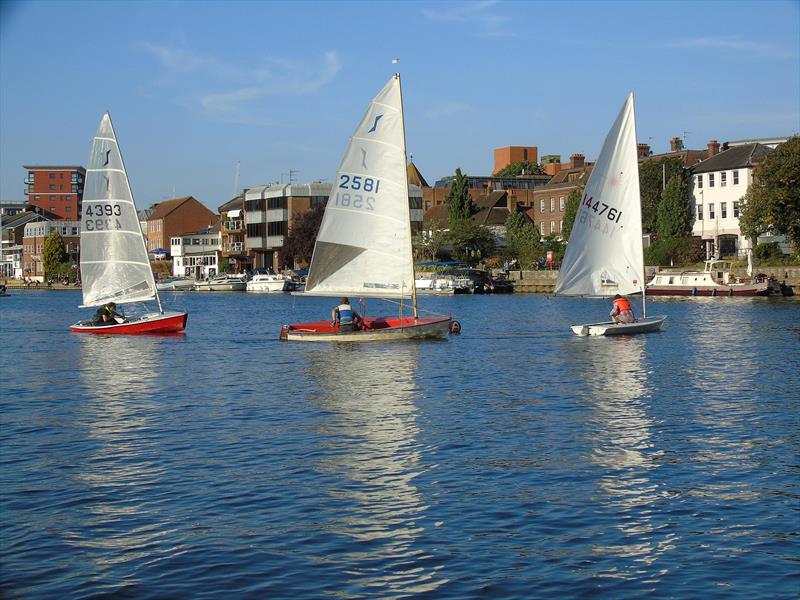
639,203
130,192
406,197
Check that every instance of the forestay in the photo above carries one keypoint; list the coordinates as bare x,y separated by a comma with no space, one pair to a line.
364,243
604,255
114,261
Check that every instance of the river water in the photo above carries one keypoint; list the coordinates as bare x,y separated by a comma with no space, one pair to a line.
513,461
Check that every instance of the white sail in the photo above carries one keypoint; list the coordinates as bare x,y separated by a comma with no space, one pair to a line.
114,262
604,255
364,243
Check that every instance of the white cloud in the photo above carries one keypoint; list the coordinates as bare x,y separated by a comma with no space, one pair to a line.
736,44
221,89
446,110
479,14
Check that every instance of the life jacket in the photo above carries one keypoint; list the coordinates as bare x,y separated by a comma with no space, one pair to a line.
345,314
622,304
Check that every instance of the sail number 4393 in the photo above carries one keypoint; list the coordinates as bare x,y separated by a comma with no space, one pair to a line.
101,217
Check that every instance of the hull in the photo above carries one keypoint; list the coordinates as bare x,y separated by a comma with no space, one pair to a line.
376,329
645,325
756,289
228,286
168,322
177,285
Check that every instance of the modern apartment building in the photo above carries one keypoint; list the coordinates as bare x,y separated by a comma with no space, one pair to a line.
56,189
271,210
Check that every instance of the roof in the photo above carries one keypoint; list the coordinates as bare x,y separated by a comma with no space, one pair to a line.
162,209
562,177
737,157
232,204
496,215
53,168
415,177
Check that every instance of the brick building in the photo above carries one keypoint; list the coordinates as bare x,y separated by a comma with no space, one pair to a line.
173,218
56,189
34,237
509,155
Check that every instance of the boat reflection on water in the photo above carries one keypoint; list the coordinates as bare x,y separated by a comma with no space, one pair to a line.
621,432
371,450
118,411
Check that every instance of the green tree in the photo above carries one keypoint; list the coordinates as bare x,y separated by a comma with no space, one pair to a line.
460,206
653,175
523,167
570,211
53,254
674,211
471,242
522,238
298,245
430,242
773,199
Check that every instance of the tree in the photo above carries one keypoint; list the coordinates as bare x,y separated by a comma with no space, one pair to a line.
460,206
53,255
298,245
522,167
570,212
522,238
471,242
674,211
653,175
429,242
773,199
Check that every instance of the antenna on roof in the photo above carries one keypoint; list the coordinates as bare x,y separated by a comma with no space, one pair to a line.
236,180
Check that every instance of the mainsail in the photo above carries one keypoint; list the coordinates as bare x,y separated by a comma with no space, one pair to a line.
364,243
604,255
114,262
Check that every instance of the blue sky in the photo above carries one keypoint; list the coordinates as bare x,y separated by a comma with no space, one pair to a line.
193,88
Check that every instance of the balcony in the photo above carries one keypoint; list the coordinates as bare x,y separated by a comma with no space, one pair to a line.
232,225
28,180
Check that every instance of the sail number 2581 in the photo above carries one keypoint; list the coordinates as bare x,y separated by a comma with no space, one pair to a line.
612,214
356,182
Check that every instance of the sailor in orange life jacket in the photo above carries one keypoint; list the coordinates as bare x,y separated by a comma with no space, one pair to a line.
622,311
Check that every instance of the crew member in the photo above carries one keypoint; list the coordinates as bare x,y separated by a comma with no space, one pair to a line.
622,311
344,314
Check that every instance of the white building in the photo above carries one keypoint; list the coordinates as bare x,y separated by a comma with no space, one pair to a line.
197,255
717,189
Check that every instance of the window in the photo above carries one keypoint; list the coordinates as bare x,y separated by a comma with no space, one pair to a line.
541,225
52,186
560,226
69,209
552,204
735,208
699,212
273,203
723,179
37,197
52,209
699,182
552,225
736,178
323,200
276,228
711,210
52,175
711,181
541,206
723,208
195,241
561,203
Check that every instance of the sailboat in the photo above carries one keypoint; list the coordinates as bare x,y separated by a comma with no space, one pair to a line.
604,255
363,248
114,262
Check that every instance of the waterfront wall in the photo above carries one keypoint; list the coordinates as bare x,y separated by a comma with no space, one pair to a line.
543,282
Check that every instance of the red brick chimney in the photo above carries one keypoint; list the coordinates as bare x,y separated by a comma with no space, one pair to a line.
713,148
576,161
676,144
643,150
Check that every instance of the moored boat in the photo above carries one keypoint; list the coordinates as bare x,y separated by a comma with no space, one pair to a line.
223,283
175,284
716,279
271,282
